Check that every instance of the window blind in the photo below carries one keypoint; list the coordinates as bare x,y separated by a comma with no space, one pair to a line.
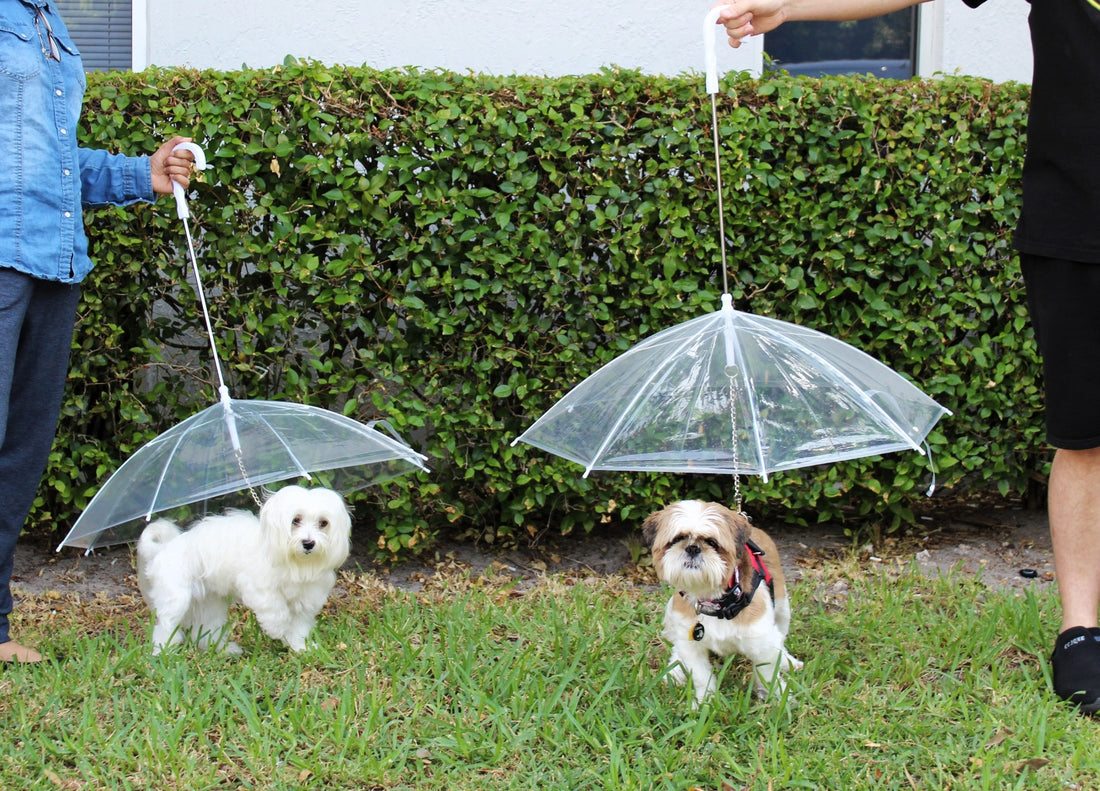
102,31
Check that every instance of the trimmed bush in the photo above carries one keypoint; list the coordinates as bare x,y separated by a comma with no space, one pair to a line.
453,253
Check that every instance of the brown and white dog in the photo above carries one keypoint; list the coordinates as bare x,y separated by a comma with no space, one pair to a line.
731,599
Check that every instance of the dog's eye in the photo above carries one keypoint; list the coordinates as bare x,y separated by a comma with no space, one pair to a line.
323,523
710,542
296,521
677,540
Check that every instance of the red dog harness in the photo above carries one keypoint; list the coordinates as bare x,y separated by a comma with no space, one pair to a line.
736,598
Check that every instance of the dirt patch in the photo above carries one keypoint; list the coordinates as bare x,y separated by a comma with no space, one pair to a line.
995,544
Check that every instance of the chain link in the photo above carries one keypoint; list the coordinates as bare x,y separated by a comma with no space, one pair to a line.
244,474
733,435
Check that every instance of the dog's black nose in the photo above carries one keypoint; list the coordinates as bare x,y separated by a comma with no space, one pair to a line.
309,544
692,550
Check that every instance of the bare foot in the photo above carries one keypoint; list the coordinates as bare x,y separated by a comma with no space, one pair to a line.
12,652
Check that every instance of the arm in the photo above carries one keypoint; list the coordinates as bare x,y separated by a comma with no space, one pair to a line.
120,180
743,18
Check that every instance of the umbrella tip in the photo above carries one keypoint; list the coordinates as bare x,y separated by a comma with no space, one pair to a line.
727,301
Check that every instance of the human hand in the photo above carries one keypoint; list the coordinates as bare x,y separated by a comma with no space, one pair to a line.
744,18
171,166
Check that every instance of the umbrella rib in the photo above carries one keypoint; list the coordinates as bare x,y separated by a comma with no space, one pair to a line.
395,444
867,402
696,397
301,468
642,390
391,444
161,477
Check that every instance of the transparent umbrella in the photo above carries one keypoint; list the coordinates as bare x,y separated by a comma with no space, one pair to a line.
237,445
731,392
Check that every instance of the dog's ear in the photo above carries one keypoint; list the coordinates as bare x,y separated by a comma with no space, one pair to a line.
338,510
739,527
650,527
274,512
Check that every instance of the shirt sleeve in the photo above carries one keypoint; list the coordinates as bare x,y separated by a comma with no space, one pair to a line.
114,178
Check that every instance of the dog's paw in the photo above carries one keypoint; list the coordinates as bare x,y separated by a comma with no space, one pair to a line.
676,675
233,648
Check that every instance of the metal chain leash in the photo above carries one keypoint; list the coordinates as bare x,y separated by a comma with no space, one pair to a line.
733,437
244,474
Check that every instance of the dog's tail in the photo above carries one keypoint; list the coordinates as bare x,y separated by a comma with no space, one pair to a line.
152,541
155,536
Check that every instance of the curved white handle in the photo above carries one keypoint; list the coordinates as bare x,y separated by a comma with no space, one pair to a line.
177,188
709,23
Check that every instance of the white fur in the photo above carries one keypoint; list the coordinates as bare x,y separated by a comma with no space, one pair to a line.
761,642
281,565
695,548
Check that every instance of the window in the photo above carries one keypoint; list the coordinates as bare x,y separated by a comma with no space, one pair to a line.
883,46
102,30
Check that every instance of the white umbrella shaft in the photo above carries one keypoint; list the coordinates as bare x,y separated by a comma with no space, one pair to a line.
712,88
733,354
184,213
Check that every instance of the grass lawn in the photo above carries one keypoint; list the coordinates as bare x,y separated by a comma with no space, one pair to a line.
909,683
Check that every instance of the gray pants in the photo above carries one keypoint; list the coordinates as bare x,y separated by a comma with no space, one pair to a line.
36,332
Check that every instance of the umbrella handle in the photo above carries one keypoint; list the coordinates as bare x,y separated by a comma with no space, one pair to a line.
177,188
710,21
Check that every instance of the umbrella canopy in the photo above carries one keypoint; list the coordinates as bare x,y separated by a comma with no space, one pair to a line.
231,446
235,445
731,392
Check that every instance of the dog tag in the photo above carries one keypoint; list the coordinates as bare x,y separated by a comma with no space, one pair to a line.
697,632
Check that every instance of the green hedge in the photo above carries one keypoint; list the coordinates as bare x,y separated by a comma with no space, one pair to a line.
454,252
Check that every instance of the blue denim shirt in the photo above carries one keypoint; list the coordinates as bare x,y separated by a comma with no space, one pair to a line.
45,177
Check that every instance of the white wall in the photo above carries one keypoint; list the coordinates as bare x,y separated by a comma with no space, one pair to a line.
491,36
553,37
991,41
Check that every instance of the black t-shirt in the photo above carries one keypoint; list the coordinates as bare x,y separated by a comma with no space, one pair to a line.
1061,206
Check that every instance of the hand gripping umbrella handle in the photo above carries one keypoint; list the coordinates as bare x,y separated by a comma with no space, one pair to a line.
177,188
710,21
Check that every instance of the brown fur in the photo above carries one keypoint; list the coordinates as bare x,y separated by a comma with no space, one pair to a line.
737,531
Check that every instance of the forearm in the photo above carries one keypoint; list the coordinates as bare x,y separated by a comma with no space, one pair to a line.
113,178
743,18
841,10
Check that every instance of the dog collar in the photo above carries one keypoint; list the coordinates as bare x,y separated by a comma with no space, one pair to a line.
736,598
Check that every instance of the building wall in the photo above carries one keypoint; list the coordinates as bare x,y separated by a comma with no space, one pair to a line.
510,37
990,41
490,36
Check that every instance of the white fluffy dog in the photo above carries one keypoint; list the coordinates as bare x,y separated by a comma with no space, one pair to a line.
281,565
731,594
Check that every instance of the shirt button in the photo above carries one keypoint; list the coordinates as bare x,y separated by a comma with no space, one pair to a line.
64,131
59,92
65,171
68,214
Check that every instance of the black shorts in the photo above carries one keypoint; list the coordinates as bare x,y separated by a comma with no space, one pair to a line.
1064,300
